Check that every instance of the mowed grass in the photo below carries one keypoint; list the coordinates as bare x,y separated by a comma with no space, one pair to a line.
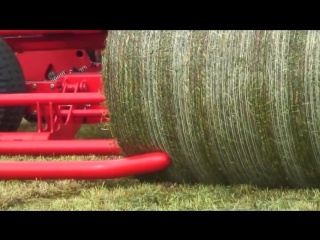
130,194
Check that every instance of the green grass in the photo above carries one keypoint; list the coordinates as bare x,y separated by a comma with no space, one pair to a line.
130,194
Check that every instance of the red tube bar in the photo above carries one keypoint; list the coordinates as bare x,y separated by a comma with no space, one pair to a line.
60,147
25,99
85,113
107,169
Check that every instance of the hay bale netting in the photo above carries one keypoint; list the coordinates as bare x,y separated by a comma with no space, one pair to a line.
229,107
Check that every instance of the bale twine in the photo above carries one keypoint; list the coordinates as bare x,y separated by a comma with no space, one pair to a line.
229,107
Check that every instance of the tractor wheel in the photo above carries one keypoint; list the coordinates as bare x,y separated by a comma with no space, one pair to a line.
11,81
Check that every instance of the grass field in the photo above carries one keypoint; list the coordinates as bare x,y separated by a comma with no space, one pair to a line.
129,194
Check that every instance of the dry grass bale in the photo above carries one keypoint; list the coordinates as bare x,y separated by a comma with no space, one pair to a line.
229,107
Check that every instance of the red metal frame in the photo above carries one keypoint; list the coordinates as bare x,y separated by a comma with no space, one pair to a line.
43,32
44,40
36,65
74,96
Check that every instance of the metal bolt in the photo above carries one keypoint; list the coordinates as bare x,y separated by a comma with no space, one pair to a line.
34,112
34,86
52,86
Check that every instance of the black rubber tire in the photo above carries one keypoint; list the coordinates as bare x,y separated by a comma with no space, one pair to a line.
11,81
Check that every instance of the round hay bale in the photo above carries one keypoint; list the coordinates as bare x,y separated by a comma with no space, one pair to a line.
229,107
